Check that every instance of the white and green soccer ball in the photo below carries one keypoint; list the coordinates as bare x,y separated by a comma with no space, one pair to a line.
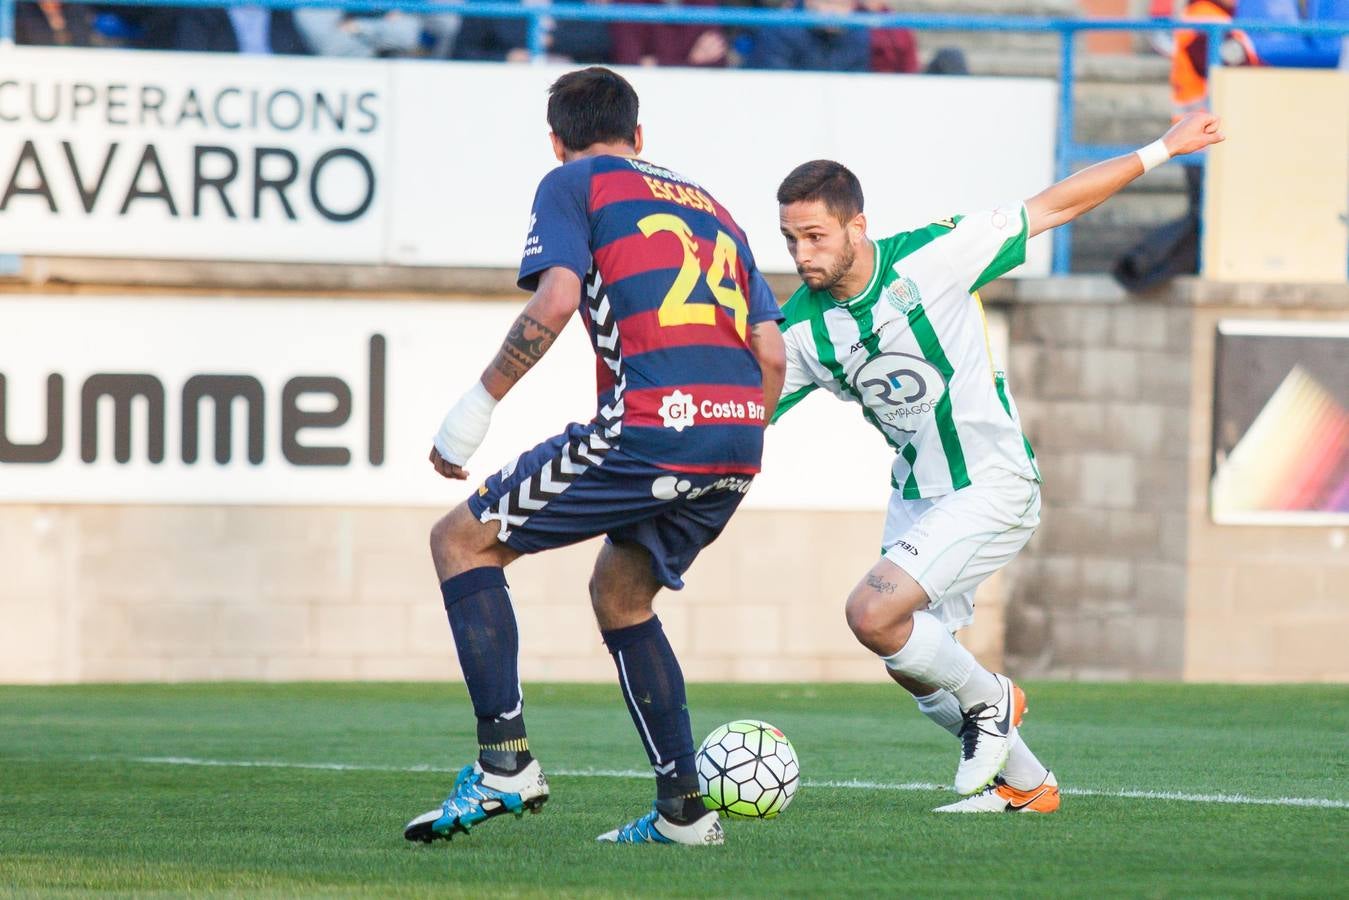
748,769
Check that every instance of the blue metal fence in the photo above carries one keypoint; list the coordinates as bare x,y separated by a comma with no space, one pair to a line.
1068,151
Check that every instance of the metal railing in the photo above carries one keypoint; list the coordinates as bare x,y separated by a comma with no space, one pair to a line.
1068,151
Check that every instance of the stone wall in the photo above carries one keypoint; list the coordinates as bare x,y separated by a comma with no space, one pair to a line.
192,593
1103,385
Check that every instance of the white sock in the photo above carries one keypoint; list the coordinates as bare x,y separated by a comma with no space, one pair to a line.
943,709
933,657
1024,772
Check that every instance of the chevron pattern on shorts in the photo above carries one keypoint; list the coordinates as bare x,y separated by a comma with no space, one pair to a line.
534,493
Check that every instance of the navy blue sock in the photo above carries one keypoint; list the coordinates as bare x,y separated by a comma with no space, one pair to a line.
479,608
653,688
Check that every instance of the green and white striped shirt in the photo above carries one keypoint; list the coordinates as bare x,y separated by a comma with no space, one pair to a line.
912,349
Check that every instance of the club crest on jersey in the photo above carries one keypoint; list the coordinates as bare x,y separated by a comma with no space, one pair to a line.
677,410
902,293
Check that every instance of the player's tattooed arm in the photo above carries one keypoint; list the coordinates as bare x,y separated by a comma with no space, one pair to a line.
534,330
524,346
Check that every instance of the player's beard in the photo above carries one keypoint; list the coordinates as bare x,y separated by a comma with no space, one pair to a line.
835,273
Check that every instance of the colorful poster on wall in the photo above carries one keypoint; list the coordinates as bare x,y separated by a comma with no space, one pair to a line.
1281,423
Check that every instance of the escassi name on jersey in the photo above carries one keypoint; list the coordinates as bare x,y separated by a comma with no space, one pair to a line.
120,389
677,193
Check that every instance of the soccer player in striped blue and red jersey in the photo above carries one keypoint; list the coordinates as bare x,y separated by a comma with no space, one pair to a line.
689,363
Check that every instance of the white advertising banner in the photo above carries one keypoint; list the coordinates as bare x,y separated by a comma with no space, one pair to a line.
158,155
318,402
165,155
924,148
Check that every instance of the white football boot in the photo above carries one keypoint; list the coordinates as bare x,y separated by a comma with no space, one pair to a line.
1002,797
986,739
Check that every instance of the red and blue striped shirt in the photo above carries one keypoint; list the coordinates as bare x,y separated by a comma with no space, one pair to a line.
670,292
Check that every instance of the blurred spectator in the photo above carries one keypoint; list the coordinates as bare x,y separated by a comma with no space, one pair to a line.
332,32
1162,41
439,33
1189,61
896,49
833,49
1336,11
892,49
508,39
238,29
1294,50
53,24
651,44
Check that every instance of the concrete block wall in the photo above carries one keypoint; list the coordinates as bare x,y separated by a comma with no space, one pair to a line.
278,594
1104,393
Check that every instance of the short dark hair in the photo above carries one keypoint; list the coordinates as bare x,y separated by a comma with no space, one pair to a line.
826,180
592,106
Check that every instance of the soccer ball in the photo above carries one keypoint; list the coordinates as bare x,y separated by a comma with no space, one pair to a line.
747,769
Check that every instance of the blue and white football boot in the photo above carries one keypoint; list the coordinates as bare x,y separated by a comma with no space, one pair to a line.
653,828
478,796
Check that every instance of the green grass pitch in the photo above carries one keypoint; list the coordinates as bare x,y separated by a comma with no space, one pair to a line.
108,790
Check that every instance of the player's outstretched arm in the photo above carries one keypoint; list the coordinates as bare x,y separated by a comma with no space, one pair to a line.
765,342
1075,195
530,336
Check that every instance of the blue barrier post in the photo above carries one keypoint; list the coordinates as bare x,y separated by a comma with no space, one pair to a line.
6,22
537,52
1063,163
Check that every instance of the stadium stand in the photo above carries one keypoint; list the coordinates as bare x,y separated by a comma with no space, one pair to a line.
1119,96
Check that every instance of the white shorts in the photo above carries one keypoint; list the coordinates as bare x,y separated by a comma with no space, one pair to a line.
950,544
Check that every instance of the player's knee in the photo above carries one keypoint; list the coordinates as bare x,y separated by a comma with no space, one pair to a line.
860,613
873,618
452,540
440,536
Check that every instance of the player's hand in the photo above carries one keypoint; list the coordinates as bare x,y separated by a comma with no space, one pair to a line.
446,468
462,432
1195,131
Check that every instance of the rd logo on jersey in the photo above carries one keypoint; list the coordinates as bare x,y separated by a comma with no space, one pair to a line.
900,390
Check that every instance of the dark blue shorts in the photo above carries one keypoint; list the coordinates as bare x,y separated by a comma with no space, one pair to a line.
573,487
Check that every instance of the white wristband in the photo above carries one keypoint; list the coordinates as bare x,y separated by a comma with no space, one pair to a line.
1153,155
465,425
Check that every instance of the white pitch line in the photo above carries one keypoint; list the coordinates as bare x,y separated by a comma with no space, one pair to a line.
1178,796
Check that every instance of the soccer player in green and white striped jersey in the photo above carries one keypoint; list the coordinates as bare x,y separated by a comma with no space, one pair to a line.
895,326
